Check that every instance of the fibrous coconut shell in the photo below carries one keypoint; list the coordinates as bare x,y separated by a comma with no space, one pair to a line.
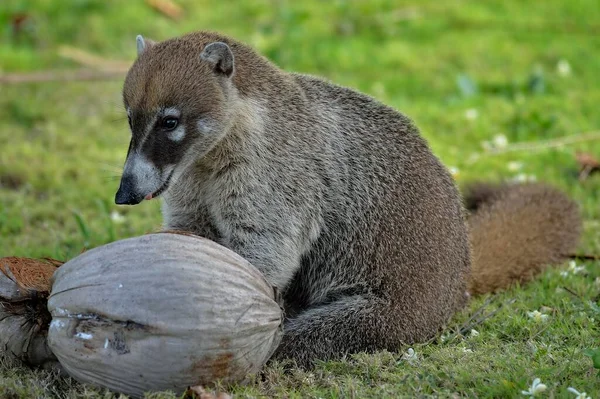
24,319
162,312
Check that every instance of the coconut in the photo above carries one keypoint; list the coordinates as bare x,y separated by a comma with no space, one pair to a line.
24,289
162,312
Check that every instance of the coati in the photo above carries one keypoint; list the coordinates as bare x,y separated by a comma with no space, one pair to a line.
334,196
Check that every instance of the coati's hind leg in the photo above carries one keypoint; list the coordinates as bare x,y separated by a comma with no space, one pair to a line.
359,323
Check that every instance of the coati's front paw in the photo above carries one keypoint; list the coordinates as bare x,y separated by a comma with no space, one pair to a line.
289,357
296,351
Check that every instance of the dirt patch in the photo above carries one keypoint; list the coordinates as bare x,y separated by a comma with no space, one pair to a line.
11,181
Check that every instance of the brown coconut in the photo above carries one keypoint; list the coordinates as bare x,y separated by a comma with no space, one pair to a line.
24,319
162,312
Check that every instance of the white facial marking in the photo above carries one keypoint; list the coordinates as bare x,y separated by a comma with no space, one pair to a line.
205,125
147,176
178,134
171,111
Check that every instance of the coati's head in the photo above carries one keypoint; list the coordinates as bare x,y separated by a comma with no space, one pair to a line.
177,96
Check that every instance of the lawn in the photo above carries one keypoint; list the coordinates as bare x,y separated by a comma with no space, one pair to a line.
478,78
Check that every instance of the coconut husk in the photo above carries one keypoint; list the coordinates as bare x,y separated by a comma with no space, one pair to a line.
25,285
162,312
29,274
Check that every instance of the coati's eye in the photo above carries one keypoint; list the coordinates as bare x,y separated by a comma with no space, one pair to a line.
169,123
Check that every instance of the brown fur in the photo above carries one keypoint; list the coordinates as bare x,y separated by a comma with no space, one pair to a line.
516,231
334,196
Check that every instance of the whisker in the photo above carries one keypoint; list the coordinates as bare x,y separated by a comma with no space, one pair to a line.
114,103
111,168
119,119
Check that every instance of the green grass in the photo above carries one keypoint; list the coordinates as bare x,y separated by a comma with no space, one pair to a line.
62,146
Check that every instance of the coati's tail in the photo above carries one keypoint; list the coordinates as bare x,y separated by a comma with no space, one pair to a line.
517,230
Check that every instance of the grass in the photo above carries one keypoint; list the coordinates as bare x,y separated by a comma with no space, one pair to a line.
465,71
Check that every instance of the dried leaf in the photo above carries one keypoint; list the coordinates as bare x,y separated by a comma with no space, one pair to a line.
587,164
18,22
166,7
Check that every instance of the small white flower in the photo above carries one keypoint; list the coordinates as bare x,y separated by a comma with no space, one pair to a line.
467,350
576,269
309,378
563,68
474,333
580,395
116,217
471,114
454,171
535,388
522,177
410,356
500,141
515,166
537,316
573,269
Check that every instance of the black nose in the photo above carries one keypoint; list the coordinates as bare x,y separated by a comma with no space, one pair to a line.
126,194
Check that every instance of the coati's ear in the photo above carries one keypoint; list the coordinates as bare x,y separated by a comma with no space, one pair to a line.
220,56
142,44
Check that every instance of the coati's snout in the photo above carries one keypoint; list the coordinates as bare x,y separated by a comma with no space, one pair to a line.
126,194
142,179
177,103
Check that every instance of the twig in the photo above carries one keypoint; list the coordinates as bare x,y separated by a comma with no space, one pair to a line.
477,312
476,319
485,317
61,76
584,256
576,295
542,145
93,61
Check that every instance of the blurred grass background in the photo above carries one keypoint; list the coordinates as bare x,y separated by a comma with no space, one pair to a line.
474,75
467,72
